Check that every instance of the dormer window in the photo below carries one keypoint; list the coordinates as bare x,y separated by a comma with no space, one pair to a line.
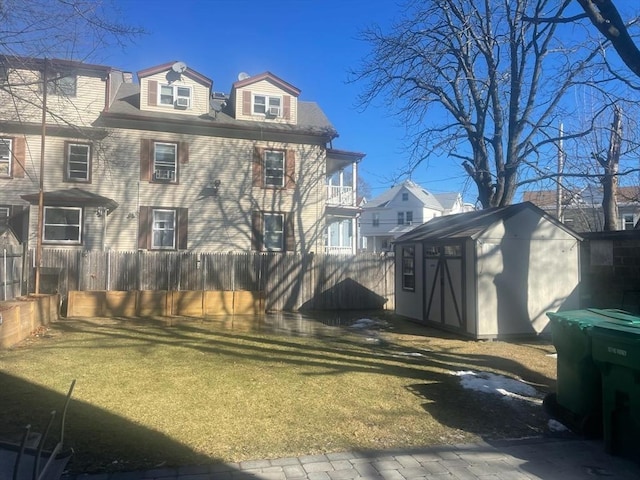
267,106
174,95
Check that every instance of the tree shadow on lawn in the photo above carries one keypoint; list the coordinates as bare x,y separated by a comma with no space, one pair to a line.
98,438
444,399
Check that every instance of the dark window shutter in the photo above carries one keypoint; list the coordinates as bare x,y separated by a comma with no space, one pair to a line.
246,102
258,167
286,107
183,227
152,95
18,154
145,218
145,159
290,168
183,152
289,237
256,231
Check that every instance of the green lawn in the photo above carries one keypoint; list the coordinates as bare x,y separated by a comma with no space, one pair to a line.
158,393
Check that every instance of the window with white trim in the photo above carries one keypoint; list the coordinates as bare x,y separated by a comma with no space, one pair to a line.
400,218
62,225
274,168
78,162
267,105
408,268
163,229
165,162
376,220
5,211
273,231
405,197
628,221
61,84
409,217
5,157
174,95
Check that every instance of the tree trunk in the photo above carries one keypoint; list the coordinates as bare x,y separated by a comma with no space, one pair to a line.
610,178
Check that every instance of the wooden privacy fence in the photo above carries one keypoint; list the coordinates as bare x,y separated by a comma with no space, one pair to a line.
10,272
288,281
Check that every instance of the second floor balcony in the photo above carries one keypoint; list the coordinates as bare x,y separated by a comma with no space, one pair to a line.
341,196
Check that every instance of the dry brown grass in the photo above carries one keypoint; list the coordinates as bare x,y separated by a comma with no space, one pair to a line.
168,393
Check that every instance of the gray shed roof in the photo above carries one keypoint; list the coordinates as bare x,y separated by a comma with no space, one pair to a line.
471,225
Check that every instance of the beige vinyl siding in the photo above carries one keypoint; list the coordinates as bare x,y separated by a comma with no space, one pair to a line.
26,103
264,87
221,223
199,95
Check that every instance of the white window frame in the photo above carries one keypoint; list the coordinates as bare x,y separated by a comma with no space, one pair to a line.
175,94
409,269
400,218
47,227
628,217
164,165
405,196
408,217
264,106
274,175
86,160
163,225
5,158
273,239
375,222
5,213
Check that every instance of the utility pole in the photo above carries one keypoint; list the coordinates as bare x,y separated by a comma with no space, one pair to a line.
43,135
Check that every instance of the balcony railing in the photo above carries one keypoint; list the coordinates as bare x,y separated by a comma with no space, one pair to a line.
344,196
337,250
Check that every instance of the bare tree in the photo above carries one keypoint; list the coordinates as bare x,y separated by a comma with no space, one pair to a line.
479,82
610,165
69,29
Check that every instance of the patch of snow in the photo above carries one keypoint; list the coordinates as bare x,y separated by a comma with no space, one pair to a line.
553,355
556,426
363,323
411,354
496,384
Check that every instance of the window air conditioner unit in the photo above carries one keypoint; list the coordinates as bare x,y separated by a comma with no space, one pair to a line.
182,102
274,111
164,174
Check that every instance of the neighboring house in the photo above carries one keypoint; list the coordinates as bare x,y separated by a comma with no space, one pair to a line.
402,208
167,163
582,210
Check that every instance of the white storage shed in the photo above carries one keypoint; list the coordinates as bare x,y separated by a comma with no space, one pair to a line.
490,273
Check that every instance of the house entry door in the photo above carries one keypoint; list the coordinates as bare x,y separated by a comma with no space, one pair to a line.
444,286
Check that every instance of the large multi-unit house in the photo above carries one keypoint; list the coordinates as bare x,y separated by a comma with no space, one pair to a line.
167,163
401,209
582,210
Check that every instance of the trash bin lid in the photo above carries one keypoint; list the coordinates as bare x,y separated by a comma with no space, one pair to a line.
586,319
616,315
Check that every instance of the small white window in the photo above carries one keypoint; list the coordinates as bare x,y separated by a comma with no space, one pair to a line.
5,157
409,218
164,229
174,95
267,105
405,196
165,162
62,225
78,162
274,168
628,221
273,232
4,214
376,220
400,218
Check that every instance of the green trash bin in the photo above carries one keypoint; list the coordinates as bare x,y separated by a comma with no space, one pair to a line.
577,402
616,352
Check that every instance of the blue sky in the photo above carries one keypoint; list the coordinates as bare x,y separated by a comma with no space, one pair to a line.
311,44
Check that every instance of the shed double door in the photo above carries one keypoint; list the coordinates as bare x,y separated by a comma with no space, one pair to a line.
444,286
